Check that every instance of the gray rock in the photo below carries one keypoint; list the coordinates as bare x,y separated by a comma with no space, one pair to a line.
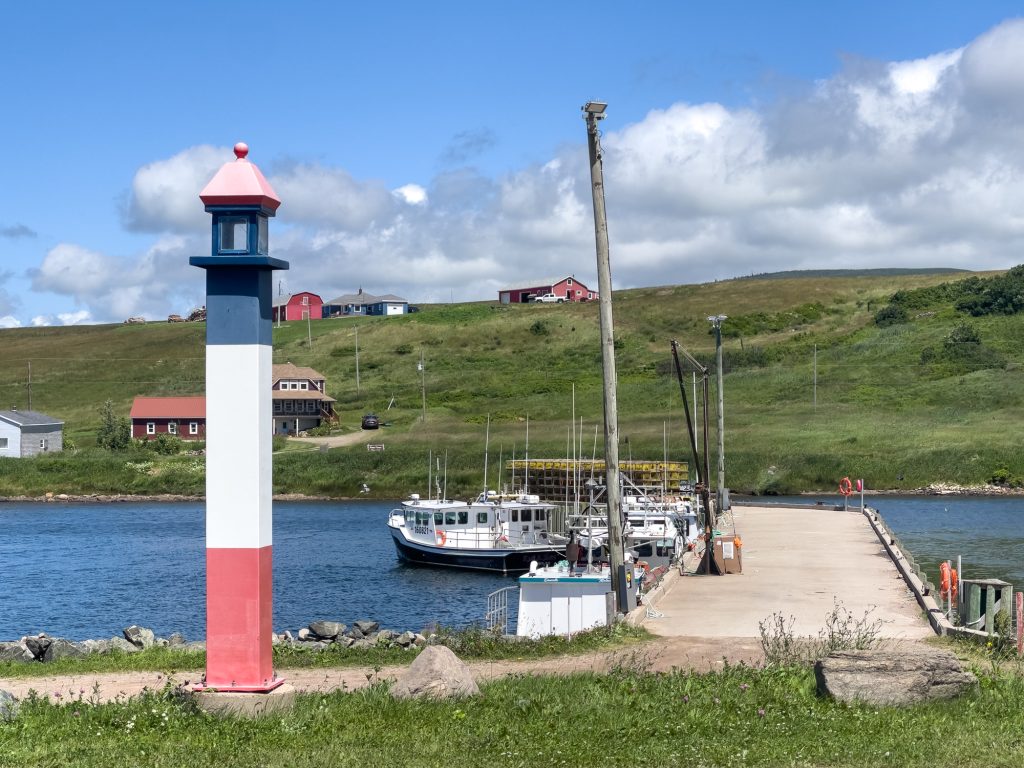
366,626
60,649
15,652
140,637
120,644
304,634
419,639
175,638
37,644
355,634
327,630
385,636
194,645
892,677
288,637
315,645
361,643
406,639
8,707
348,642
436,673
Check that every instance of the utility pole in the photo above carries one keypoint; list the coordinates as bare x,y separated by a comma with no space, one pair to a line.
30,385
723,494
357,359
593,111
423,385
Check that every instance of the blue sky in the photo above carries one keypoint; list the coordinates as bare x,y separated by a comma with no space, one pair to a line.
436,150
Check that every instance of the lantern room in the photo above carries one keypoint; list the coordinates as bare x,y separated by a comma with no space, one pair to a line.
241,201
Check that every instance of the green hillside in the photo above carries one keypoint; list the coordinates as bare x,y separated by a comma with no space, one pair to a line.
901,404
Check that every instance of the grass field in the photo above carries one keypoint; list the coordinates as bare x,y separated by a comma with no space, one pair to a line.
814,390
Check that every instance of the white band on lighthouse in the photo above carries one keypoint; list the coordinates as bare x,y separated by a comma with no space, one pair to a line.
238,430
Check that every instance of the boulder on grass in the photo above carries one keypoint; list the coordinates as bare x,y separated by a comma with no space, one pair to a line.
436,673
8,707
892,677
327,630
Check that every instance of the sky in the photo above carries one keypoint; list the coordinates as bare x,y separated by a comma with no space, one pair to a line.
436,150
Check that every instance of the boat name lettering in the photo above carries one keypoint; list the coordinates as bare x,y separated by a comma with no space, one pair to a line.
421,529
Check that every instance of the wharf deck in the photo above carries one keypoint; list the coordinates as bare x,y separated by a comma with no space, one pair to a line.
800,562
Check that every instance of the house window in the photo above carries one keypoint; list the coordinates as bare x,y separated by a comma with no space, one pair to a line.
569,281
590,295
3,443
172,427
305,300
289,406
44,444
304,385
277,406
150,427
193,427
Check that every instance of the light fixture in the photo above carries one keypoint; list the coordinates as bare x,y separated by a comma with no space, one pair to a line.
595,108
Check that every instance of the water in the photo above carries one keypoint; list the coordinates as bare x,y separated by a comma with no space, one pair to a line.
88,570
987,532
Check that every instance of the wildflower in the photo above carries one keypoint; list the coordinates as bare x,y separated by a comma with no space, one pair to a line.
744,687
717,700
760,712
686,699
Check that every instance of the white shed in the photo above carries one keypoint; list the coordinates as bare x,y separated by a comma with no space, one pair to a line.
29,433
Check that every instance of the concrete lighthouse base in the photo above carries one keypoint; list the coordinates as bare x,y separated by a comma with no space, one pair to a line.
233,704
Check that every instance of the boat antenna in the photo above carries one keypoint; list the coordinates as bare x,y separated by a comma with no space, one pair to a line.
487,442
437,479
430,463
526,458
501,467
445,492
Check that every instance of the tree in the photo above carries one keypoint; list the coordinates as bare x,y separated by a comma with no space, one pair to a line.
115,433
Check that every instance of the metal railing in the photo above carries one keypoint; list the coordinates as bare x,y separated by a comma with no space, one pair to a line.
496,618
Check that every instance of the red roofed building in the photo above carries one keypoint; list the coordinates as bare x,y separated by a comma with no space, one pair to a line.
183,417
298,306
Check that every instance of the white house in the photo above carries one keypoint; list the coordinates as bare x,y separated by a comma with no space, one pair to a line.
29,433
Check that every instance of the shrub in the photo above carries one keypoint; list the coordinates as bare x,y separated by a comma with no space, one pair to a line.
115,433
164,444
892,314
279,442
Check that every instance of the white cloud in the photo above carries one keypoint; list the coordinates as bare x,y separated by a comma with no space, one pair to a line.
9,321
905,163
165,194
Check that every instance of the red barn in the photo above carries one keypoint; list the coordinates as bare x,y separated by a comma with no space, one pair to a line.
183,417
567,289
298,306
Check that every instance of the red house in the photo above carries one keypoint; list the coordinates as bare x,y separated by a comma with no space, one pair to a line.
567,289
183,417
298,306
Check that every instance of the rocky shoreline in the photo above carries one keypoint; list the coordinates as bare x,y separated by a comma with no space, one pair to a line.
933,489
317,635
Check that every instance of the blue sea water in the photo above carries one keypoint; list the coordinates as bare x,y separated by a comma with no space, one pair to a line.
88,570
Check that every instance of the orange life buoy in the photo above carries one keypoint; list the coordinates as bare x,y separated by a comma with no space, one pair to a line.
845,486
441,538
948,580
737,541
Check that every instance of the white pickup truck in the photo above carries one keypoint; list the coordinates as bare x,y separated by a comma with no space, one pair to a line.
548,298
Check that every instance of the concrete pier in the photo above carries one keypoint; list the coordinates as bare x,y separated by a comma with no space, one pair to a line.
800,562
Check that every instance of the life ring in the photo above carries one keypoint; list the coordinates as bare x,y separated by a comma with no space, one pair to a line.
441,538
948,581
845,486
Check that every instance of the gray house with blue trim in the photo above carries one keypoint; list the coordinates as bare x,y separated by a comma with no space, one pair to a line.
29,433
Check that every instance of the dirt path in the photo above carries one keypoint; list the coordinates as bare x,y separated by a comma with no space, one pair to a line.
659,655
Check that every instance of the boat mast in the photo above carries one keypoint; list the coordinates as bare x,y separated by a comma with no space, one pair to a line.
487,443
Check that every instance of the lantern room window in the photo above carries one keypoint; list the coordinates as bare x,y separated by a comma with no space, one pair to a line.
234,234
262,247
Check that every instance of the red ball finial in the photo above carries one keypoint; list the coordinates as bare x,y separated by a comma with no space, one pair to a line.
241,150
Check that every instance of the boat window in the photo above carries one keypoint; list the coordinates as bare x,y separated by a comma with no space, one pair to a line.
515,515
410,516
422,518
439,518
527,515
449,518
463,517
481,517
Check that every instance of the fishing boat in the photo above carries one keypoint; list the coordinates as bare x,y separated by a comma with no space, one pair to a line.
493,533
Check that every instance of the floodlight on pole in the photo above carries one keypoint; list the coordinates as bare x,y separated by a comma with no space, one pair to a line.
595,108
723,495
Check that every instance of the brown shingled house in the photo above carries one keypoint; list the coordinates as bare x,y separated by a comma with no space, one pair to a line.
300,399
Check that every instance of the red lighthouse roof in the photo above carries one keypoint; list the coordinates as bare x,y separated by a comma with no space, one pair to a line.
240,183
